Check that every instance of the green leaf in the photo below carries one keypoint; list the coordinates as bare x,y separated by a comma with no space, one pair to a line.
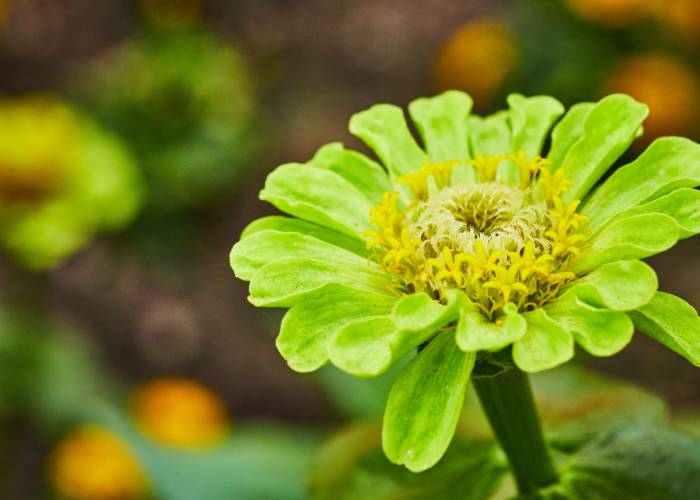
683,205
489,135
601,332
425,403
669,163
545,344
673,322
642,462
442,123
352,466
475,332
285,282
319,196
609,128
567,132
622,285
366,175
420,312
383,128
633,237
252,253
308,326
363,347
294,225
530,120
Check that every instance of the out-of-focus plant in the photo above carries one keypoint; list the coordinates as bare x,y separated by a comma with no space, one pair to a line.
171,13
62,179
487,258
183,101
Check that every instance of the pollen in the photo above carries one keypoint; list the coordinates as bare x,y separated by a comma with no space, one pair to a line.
499,243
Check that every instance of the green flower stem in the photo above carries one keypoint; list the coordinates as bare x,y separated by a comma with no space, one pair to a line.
507,400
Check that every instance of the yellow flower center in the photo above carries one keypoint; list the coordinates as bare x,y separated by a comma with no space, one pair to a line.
92,464
498,243
180,412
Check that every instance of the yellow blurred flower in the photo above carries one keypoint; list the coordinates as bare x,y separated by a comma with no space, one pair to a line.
668,85
171,13
611,12
38,144
180,412
477,59
92,464
682,16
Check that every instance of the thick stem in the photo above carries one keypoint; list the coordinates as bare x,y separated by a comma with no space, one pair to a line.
506,398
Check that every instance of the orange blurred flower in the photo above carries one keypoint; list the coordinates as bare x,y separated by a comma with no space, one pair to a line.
668,85
180,412
477,59
92,464
683,16
611,12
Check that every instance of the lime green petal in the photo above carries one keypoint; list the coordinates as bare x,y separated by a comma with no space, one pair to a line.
420,312
252,253
609,128
425,403
476,332
621,286
308,326
442,123
682,204
489,135
319,196
287,281
363,347
546,344
673,322
294,225
601,332
669,163
567,132
366,175
632,237
530,120
383,128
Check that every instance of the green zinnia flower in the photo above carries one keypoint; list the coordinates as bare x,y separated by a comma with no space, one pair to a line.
472,248
61,180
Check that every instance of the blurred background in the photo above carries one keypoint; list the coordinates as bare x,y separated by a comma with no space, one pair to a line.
134,138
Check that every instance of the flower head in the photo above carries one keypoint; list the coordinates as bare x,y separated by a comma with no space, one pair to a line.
61,180
92,464
180,412
481,245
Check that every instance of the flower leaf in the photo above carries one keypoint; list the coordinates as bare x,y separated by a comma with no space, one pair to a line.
601,332
363,347
318,195
308,326
673,322
632,237
489,135
530,120
420,312
287,281
383,128
252,253
622,285
425,403
475,332
669,163
682,204
609,128
567,132
442,124
366,175
294,225
545,344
